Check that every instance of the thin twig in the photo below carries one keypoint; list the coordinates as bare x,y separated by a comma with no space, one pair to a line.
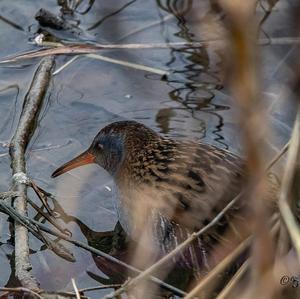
234,280
56,247
130,64
220,268
109,286
49,218
278,156
213,275
21,290
41,196
76,49
69,62
32,224
116,61
4,295
245,86
26,126
11,23
65,294
75,288
81,291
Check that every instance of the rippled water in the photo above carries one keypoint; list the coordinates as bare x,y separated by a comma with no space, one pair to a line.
192,102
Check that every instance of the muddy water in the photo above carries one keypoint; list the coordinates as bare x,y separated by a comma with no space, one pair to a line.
192,102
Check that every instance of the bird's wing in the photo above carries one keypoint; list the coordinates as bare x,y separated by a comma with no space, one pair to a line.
197,184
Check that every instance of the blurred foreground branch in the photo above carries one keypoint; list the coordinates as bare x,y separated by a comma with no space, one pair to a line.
245,85
288,199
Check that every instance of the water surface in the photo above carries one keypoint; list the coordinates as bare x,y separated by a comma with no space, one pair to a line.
193,102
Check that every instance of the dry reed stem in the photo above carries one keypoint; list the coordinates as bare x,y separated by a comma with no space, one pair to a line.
244,83
204,284
75,288
109,286
52,295
215,272
115,61
65,65
286,198
289,195
280,153
234,281
130,64
76,49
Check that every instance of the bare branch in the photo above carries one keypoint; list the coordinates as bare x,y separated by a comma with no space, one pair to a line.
26,126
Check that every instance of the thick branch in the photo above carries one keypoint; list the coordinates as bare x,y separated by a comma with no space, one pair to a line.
26,126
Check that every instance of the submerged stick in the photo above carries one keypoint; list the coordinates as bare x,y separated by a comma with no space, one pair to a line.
25,129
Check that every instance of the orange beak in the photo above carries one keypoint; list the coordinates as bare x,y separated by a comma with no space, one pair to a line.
82,159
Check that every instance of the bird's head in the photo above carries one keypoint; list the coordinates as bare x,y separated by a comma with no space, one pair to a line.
115,143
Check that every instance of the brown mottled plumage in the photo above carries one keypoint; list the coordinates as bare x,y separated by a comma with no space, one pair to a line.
185,183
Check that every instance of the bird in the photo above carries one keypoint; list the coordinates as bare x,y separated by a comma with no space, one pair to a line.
178,186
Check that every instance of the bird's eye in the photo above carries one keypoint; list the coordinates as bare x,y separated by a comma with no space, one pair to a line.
100,146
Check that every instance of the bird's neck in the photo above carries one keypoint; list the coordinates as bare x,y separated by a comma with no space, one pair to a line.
140,165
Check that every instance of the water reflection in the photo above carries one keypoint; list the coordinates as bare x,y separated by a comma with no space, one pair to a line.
10,115
117,243
111,14
195,78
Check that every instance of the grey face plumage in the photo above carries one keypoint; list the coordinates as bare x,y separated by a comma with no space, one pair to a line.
108,150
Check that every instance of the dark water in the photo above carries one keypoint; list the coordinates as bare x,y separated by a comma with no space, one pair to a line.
192,102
